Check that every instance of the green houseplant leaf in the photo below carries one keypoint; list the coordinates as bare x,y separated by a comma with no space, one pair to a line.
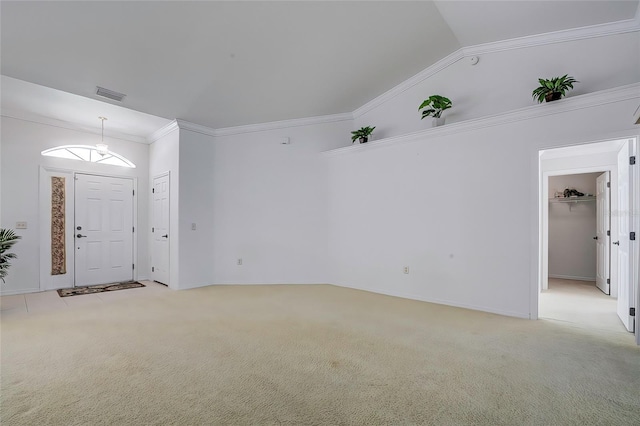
435,105
362,133
553,89
7,239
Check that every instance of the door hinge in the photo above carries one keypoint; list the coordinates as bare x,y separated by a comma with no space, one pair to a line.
153,229
608,280
608,233
632,160
133,266
133,192
133,229
632,312
608,184
153,269
632,236
153,190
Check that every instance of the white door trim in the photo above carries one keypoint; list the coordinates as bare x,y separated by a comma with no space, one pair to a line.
544,237
540,232
46,279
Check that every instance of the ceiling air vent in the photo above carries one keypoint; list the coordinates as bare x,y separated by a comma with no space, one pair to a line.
110,94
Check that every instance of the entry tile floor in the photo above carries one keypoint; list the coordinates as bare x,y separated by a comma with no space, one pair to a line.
46,301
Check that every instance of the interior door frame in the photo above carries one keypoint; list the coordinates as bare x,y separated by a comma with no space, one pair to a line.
540,200
44,197
151,209
544,260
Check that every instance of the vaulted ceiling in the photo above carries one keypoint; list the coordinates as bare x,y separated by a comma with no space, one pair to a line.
222,64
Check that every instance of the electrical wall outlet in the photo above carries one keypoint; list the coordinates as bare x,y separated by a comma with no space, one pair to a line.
193,226
21,225
239,261
405,269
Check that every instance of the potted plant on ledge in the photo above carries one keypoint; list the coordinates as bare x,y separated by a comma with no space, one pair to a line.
362,134
553,89
434,106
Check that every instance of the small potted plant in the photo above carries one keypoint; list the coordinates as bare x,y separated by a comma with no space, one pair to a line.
362,134
553,89
434,106
7,239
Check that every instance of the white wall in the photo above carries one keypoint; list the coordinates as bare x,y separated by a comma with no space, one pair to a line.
270,205
22,142
164,155
572,249
250,197
503,81
196,206
460,209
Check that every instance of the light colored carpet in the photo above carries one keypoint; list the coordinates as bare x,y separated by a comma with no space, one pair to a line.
580,303
309,355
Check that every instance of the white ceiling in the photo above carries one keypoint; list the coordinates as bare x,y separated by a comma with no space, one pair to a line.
24,100
477,21
222,64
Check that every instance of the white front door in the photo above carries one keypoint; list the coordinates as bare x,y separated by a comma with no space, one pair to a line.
603,226
626,287
160,230
103,229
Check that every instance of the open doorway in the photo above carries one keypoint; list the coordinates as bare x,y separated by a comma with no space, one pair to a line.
579,239
617,157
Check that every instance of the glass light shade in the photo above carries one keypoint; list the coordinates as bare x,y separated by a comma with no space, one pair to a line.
103,149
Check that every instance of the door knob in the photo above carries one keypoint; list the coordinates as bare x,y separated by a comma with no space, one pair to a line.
616,243
165,236
595,238
79,228
81,236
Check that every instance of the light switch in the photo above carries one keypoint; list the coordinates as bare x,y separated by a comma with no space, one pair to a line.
21,225
193,226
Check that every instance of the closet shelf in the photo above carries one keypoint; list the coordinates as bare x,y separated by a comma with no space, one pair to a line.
572,199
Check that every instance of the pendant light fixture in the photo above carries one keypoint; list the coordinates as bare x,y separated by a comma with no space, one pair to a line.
102,148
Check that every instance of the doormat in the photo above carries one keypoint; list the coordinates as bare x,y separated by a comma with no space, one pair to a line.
76,291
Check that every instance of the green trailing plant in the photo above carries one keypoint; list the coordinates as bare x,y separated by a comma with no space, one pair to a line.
553,89
7,239
362,134
434,105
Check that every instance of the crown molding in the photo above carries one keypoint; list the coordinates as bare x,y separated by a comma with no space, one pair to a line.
618,94
187,125
261,127
296,122
163,131
581,33
600,30
67,125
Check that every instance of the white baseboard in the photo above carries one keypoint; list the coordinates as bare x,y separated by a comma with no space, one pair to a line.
14,292
265,283
440,301
572,277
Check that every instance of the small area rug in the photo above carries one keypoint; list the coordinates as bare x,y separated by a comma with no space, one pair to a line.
66,292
